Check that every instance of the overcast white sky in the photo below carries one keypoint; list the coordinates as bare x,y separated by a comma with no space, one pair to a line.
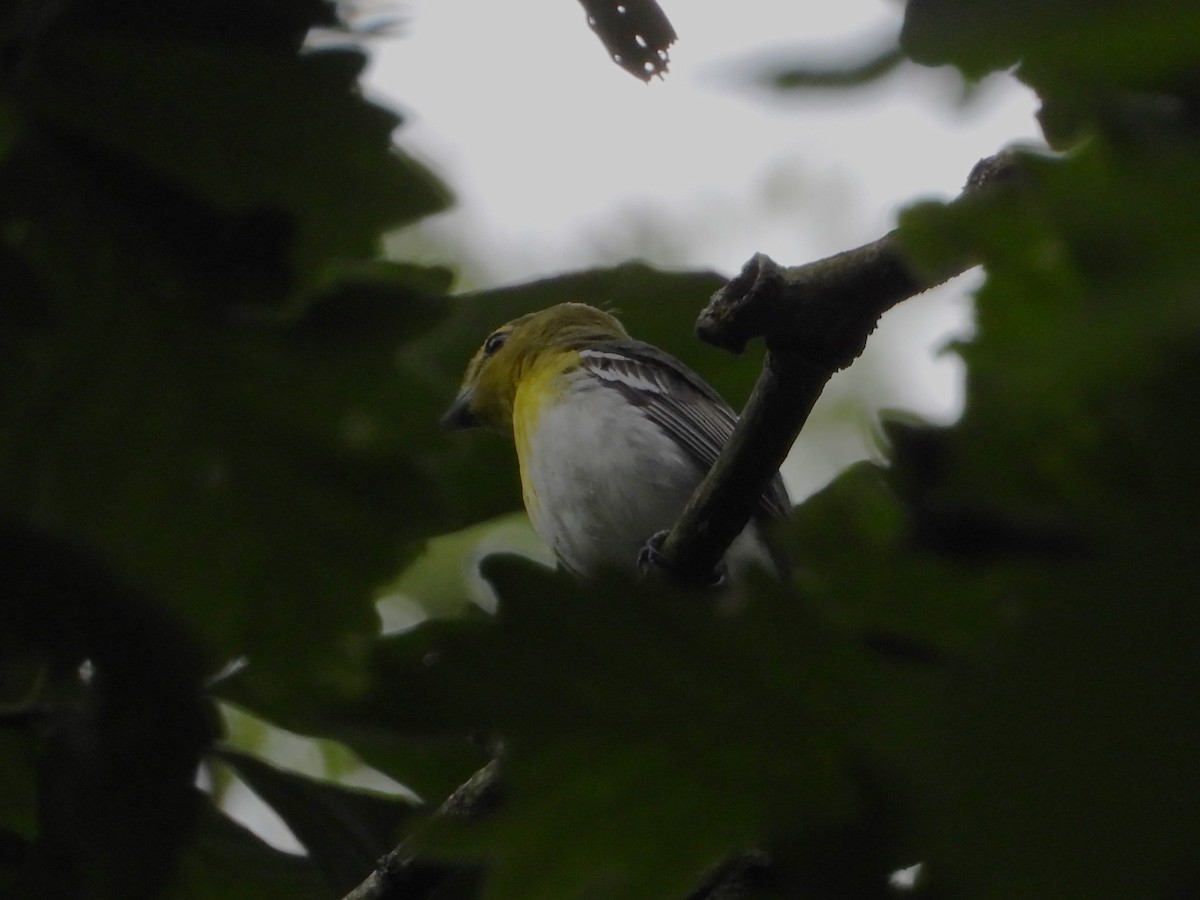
561,160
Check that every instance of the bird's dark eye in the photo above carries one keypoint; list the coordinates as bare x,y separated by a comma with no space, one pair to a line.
494,342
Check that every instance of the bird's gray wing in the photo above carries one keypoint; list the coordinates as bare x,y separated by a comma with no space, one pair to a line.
676,399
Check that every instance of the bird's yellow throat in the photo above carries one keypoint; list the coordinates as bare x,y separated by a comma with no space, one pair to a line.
542,386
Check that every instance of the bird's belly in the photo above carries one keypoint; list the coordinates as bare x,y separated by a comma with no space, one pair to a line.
599,479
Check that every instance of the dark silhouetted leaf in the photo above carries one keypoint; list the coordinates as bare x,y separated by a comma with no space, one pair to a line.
116,755
1118,53
636,33
1060,754
244,131
648,737
850,75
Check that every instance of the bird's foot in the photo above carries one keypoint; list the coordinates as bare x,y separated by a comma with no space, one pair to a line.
651,558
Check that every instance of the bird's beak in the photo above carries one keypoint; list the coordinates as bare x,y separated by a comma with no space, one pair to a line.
459,415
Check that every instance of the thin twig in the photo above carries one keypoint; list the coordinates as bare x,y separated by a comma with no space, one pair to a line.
402,875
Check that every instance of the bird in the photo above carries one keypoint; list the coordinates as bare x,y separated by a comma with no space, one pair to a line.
612,436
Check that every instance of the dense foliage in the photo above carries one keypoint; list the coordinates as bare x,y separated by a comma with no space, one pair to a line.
218,441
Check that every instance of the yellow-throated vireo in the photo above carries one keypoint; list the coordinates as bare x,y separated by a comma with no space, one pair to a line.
613,435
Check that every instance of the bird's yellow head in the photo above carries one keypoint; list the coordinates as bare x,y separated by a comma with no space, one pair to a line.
516,351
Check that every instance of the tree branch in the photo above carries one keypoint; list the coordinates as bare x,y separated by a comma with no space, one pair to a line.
815,319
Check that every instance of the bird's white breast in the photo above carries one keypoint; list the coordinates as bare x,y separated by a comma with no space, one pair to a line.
599,477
